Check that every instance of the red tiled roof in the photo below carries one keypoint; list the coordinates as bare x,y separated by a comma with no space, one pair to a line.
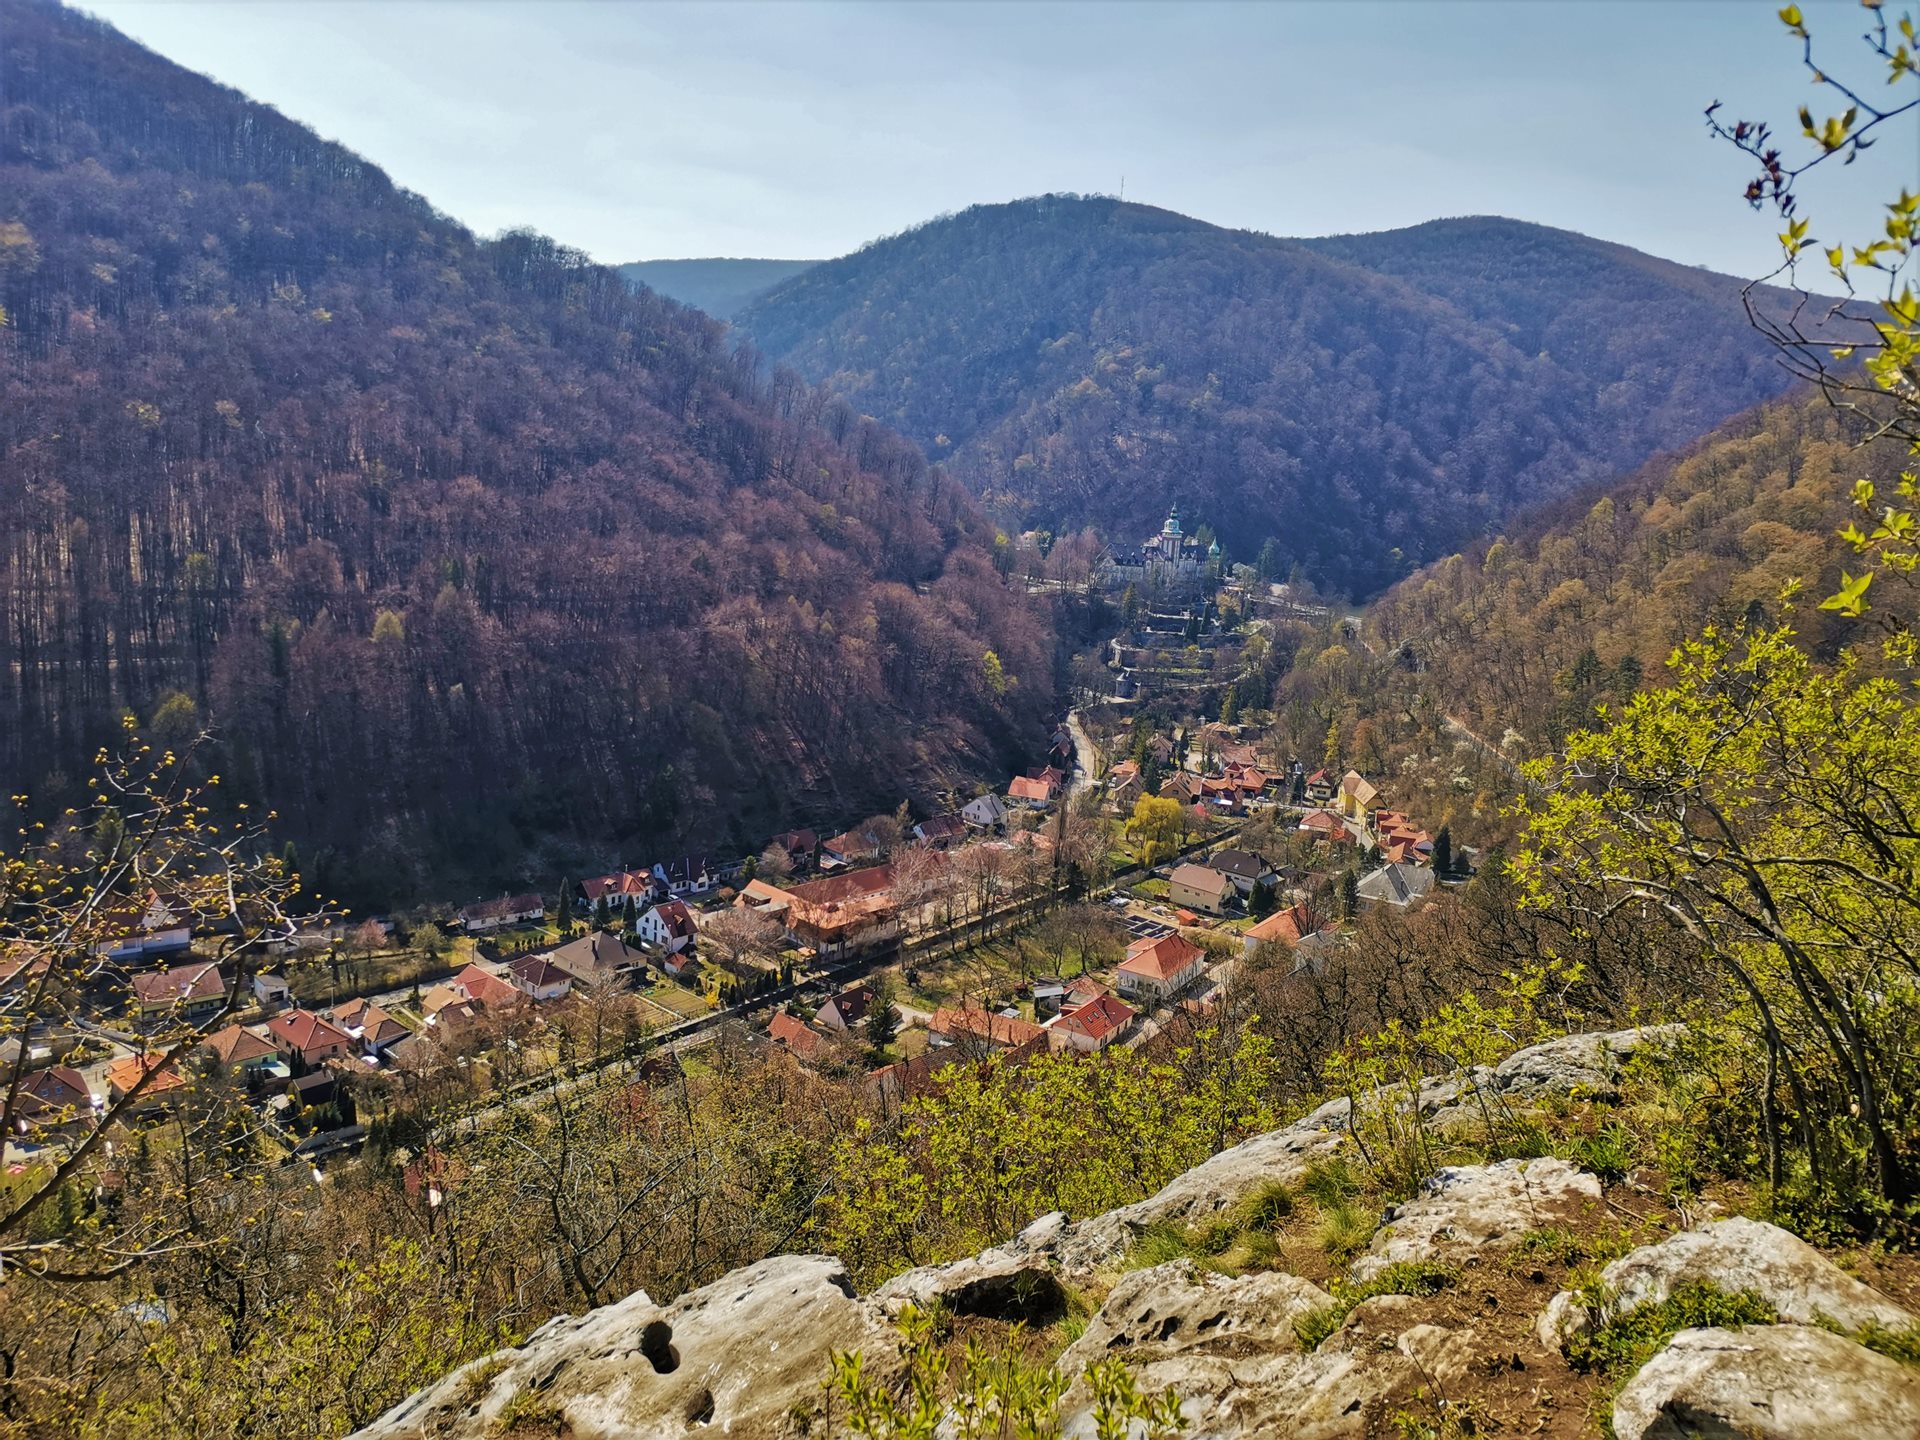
181,985
486,990
1288,925
538,971
1003,1030
638,883
854,885
1098,1018
1022,788
678,919
124,1073
303,1030
1161,959
794,1034
58,1087
235,1045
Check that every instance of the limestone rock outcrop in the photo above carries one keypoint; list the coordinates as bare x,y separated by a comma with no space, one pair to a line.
1465,1209
1800,1283
1575,1065
1769,1382
744,1357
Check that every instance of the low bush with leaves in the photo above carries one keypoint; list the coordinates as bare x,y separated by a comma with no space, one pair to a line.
987,1394
1406,1277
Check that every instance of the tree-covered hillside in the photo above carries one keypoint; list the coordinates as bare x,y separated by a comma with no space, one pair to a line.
1584,602
1370,403
457,544
721,287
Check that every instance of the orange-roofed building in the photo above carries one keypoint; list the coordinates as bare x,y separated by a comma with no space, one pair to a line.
1289,925
126,1072
1094,1026
1158,968
958,1025
307,1039
795,1035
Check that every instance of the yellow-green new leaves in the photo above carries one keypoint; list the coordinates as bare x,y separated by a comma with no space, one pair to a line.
1851,598
1764,807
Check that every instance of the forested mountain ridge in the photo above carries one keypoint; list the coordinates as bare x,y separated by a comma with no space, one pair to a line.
458,544
1581,604
1369,402
721,287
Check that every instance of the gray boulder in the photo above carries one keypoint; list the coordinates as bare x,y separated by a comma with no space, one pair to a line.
1177,1309
1464,1209
745,1356
1583,1065
1769,1382
1798,1281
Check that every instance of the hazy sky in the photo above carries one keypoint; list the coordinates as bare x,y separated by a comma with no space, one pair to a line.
643,130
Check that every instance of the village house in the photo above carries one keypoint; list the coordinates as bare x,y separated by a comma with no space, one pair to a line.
242,1051
1032,792
1184,786
1159,968
1161,749
1323,826
53,1097
597,959
272,990
307,1039
851,847
485,989
1396,885
1243,867
686,875
193,991
987,812
538,977
799,845
942,832
1401,841
488,915
1093,1026
376,1030
616,889
1196,887
969,1027
1220,795
793,1034
669,925
124,1074
766,897
847,1009
1124,787
1356,796
1290,925
837,916
1319,787
153,926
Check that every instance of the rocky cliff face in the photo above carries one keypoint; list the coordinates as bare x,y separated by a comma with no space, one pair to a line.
1481,1347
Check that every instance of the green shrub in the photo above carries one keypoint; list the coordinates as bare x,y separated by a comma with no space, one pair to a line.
1609,1152
1626,1342
1405,1277
1265,1206
1343,1229
1331,1182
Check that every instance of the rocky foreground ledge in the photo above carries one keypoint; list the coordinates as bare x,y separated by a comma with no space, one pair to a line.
746,1356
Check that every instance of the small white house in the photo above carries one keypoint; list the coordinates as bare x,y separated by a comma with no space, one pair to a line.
272,989
989,812
669,925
